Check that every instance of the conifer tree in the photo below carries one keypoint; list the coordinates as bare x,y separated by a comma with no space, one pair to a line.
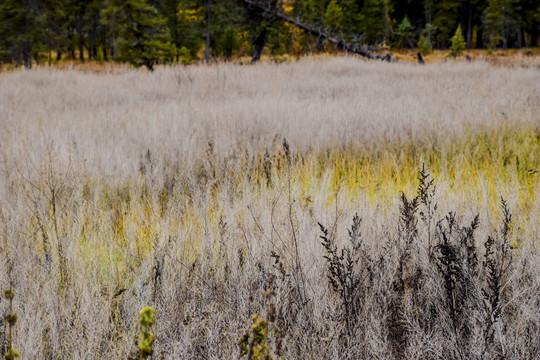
500,20
376,15
143,38
404,32
190,21
334,15
445,19
226,27
458,42
351,19
22,25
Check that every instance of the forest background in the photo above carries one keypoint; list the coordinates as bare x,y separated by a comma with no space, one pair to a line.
150,32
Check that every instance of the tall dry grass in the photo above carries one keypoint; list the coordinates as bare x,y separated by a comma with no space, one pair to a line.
177,190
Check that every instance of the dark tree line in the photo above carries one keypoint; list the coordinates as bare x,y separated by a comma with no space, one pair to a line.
146,32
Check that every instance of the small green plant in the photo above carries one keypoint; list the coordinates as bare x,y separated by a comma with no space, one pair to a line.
253,343
11,319
145,340
458,43
423,45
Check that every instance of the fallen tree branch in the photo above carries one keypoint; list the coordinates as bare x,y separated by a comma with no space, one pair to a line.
272,13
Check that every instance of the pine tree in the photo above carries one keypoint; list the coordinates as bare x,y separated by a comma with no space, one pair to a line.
404,32
56,30
351,19
310,11
190,22
500,20
423,45
22,25
143,38
445,19
334,15
376,15
226,30
458,42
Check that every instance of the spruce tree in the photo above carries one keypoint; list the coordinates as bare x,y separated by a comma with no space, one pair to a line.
226,29
334,15
458,42
351,19
500,20
377,25
143,38
445,19
22,30
404,32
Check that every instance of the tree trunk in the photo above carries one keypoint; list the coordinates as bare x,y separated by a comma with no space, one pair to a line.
18,60
534,36
208,24
469,26
27,47
479,37
427,10
259,43
148,65
58,55
92,46
420,58
443,44
81,39
27,55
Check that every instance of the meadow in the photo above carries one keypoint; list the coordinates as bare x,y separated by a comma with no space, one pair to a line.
321,209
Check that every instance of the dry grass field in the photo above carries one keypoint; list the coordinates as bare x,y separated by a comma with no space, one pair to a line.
199,191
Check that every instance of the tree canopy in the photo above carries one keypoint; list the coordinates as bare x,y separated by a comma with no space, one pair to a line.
150,32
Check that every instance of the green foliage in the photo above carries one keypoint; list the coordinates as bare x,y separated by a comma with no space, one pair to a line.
423,45
253,342
445,18
311,11
276,41
226,28
12,354
404,33
143,37
22,25
377,24
501,20
146,337
189,26
11,319
150,32
458,43
227,42
429,33
334,15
